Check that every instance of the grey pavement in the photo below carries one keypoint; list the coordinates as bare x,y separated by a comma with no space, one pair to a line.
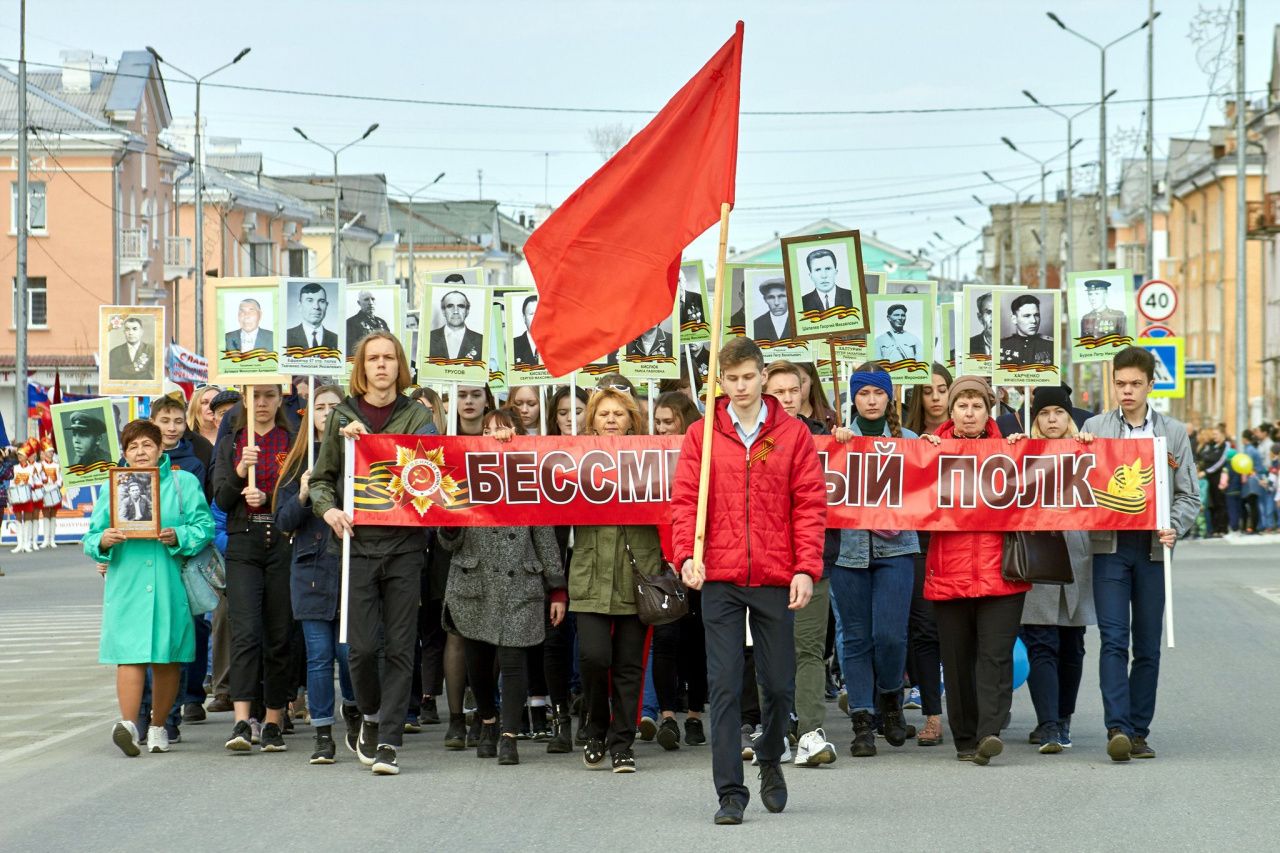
1215,785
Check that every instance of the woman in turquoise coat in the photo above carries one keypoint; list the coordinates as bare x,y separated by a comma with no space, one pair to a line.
146,620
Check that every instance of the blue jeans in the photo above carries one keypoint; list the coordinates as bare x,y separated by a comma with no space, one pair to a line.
192,686
649,702
323,649
1128,592
873,605
1056,657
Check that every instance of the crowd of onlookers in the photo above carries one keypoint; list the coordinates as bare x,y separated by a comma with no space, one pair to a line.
1232,501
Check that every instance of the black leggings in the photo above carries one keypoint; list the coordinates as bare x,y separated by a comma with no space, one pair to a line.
924,655
261,614
557,660
515,681
680,654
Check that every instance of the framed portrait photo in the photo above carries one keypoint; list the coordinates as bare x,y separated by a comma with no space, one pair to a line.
1030,349
498,348
692,307
466,276
902,335
733,319
978,341
874,281
135,501
131,350
454,347
88,441
315,337
770,317
524,358
1103,320
825,284
655,354
945,335
372,306
243,345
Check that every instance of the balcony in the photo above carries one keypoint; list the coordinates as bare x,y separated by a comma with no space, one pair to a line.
134,250
1262,218
178,262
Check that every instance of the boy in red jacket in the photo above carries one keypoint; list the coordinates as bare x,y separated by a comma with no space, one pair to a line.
766,514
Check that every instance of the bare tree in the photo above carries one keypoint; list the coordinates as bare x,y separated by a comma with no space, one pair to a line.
606,139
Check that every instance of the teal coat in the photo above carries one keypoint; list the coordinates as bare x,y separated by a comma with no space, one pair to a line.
145,615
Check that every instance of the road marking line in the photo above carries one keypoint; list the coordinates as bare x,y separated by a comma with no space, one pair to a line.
1271,594
30,749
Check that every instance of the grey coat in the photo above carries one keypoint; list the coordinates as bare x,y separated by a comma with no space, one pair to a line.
498,582
1184,490
1070,604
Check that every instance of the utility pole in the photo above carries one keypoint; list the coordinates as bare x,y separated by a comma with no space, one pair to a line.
1151,217
480,183
1242,290
409,233
335,267
20,315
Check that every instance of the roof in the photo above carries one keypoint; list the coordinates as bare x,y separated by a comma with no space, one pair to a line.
36,360
129,84
365,194
876,254
243,162
50,109
246,194
451,223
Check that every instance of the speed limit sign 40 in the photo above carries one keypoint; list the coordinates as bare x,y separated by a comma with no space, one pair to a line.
1157,300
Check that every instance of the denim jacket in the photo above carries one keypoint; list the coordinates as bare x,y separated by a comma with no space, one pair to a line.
859,547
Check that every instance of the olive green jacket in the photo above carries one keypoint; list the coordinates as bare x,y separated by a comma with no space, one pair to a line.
600,575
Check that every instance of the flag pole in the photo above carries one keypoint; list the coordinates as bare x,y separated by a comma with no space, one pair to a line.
573,403
713,372
348,507
652,397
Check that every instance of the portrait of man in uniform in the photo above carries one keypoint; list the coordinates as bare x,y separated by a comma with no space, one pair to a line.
1101,320
896,343
135,358
655,341
86,435
1026,345
364,322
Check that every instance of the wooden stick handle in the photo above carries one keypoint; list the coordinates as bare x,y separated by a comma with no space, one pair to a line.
713,372
251,432
835,383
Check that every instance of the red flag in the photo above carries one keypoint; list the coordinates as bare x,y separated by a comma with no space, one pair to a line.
606,261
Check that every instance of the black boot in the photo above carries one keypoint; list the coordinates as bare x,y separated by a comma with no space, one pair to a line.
895,727
456,736
487,745
561,733
864,735
507,752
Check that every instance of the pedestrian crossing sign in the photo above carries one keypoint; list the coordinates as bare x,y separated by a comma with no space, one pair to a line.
1171,366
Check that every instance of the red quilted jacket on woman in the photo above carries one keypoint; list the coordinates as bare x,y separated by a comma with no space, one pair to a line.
767,508
966,565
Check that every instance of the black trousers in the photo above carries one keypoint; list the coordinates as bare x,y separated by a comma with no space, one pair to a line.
383,615
977,637
611,659
725,608
923,652
680,654
515,681
557,659
261,615
428,659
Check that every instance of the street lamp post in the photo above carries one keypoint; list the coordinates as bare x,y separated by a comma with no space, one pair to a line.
1017,243
1102,123
1070,265
198,176
1044,217
412,279
336,266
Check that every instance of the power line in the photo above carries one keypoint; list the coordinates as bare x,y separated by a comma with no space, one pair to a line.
428,102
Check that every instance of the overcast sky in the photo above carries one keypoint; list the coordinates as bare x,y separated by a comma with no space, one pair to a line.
898,176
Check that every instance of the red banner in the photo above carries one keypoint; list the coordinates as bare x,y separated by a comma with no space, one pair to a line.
896,484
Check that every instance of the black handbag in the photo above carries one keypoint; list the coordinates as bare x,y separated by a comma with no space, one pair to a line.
660,598
1036,556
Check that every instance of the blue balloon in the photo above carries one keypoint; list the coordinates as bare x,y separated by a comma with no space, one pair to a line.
1021,666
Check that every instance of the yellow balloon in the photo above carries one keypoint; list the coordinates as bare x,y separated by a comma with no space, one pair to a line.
1242,464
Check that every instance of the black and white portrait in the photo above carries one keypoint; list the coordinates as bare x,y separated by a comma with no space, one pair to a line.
457,322
735,302
898,333
1098,300
310,307
411,332
85,441
135,498
134,357
691,293
253,315
827,270
366,316
1027,324
656,341
766,296
980,320
524,347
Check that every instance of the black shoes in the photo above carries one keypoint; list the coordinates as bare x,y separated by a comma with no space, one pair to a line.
241,739
593,754
456,736
864,736
325,750
430,713
561,741
271,739
669,734
473,733
487,742
384,761
367,744
1141,749
507,752
1119,746
693,732
193,712
988,748
773,788
624,762
351,719
895,727
729,813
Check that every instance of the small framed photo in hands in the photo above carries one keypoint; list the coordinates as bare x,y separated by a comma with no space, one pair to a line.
135,502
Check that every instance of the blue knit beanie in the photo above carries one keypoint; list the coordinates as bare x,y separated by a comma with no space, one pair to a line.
874,378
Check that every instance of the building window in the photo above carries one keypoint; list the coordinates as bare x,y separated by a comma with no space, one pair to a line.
297,263
37,303
260,259
37,209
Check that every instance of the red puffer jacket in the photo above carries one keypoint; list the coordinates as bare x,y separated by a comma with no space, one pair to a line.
766,510
966,565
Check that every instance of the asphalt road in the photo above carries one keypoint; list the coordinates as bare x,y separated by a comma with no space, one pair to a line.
1215,785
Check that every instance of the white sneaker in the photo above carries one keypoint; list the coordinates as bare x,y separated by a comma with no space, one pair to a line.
124,734
786,751
814,750
157,739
